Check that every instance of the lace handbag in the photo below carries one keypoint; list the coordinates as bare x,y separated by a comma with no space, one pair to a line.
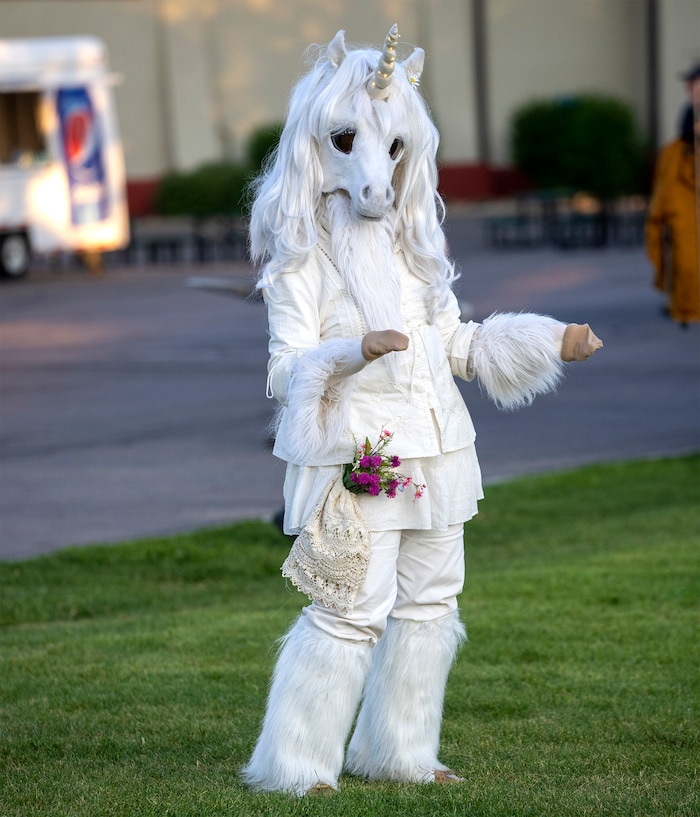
328,560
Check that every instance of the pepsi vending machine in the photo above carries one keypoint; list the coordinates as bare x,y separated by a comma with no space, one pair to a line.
83,146
62,171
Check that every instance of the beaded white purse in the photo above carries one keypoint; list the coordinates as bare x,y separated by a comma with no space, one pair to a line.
328,560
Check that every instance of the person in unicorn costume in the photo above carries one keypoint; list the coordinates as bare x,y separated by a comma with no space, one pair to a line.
365,342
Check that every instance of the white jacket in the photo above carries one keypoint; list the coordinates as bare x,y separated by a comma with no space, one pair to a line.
331,396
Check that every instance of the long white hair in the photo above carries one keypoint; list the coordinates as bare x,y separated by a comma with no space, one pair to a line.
289,206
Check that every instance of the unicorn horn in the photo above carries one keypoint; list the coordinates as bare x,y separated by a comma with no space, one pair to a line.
382,76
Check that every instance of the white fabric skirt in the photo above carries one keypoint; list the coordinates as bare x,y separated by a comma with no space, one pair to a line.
453,489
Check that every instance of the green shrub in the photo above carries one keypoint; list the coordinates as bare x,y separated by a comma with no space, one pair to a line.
589,142
262,143
216,188
173,195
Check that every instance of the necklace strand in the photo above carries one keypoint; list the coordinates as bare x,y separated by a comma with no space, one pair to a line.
363,322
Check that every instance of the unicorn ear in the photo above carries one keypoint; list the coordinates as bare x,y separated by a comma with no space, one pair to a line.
413,66
336,49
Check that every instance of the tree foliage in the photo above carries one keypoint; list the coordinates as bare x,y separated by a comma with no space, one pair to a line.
216,188
589,142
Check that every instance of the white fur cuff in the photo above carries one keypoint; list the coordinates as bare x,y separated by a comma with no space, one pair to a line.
517,356
319,400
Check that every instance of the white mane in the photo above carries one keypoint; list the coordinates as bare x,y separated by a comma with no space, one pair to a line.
289,205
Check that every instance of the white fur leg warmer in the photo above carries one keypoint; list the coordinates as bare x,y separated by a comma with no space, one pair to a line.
319,400
517,357
313,698
398,729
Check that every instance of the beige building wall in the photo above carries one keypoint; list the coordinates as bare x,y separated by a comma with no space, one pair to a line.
679,46
444,30
198,76
549,48
129,30
260,45
187,50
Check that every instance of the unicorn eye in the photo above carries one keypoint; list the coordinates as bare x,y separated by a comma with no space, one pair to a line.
343,141
396,148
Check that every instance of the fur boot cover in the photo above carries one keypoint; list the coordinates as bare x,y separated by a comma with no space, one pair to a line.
315,689
398,729
517,357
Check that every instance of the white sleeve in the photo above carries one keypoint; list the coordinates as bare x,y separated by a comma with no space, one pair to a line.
308,376
457,337
294,319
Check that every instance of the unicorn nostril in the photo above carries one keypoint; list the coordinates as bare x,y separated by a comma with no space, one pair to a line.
366,192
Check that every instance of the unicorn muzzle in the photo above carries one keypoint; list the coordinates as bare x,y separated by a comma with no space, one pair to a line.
373,201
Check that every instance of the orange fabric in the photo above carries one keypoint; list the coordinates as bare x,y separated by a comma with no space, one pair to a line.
672,231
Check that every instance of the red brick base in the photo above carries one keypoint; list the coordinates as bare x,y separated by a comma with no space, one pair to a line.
478,182
140,194
468,182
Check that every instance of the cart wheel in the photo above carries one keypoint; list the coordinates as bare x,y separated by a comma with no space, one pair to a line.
14,255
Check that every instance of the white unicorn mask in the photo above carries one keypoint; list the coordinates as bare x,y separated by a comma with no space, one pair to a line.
358,149
364,146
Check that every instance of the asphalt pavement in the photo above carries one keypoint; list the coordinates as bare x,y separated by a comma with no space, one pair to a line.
133,404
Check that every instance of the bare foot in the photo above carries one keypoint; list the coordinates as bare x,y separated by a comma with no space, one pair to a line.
320,789
446,776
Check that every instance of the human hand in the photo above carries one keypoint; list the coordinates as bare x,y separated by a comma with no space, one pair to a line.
579,342
378,344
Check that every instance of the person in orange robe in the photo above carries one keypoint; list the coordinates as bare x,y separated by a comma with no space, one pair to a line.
673,220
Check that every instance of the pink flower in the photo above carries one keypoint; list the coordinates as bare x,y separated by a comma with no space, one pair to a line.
373,471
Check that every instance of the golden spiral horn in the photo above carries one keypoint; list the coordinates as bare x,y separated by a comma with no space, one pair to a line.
381,79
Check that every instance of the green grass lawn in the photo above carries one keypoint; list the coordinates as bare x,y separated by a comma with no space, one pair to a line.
133,677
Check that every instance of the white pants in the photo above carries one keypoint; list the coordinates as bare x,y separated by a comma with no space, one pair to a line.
412,574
